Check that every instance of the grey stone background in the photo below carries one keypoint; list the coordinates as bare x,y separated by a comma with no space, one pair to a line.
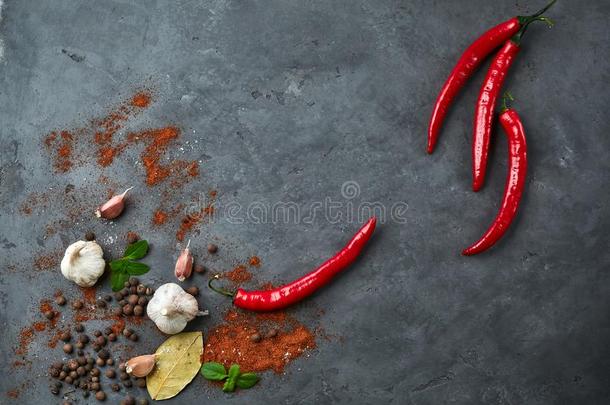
351,85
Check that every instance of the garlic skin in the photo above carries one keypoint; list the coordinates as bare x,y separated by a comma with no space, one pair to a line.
141,366
83,263
184,264
113,207
171,308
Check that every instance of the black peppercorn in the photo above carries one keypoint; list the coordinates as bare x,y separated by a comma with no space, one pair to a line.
100,396
138,310
89,236
68,348
79,327
110,373
128,309
212,248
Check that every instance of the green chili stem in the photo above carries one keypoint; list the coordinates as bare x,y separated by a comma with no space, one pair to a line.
219,290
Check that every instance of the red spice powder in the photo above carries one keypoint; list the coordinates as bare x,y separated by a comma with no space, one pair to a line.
39,326
159,217
45,306
13,394
26,335
89,294
141,100
47,261
189,221
238,275
230,343
255,261
63,149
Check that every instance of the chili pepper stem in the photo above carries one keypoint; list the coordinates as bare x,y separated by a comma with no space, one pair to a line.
219,290
505,97
525,18
519,35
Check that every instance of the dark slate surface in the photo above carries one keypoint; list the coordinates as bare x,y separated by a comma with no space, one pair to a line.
285,102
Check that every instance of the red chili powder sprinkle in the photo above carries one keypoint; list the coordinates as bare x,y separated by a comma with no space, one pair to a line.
255,261
45,306
13,394
39,326
141,100
89,294
230,343
238,275
26,335
47,261
63,152
159,217
189,221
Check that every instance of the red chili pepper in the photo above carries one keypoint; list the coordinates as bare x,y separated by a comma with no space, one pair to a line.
517,154
468,63
486,103
284,296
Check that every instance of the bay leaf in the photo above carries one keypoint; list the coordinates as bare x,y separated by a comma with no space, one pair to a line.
178,362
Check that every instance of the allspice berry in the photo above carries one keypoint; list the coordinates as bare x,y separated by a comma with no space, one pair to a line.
255,338
89,236
60,300
128,309
138,310
110,373
100,396
68,348
78,304
49,315
194,291
133,299
132,237
112,337
199,268
212,248
65,336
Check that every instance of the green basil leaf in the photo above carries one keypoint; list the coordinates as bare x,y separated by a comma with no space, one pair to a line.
136,250
233,374
117,265
229,385
136,268
234,371
213,371
117,279
246,380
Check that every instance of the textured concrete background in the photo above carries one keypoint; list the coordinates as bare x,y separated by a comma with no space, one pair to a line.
351,84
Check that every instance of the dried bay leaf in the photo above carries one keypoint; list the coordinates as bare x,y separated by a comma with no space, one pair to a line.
178,361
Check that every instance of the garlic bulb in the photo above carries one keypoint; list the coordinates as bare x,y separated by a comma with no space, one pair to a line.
171,308
83,263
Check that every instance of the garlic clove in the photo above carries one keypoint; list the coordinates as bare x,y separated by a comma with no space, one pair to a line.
184,264
113,207
141,366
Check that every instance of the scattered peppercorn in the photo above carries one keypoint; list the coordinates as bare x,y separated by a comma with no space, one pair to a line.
194,291
101,303
138,310
110,373
142,301
124,376
112,337
100,340
199,268
133,281
128,309
110,362
79,327
133,337
127,384
60,300
68,348
103,354
141,382
49,315
142,401
255,338
78,304
100,396
89,236
65,336
132,237
133,299
115,387
212,248
272,333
